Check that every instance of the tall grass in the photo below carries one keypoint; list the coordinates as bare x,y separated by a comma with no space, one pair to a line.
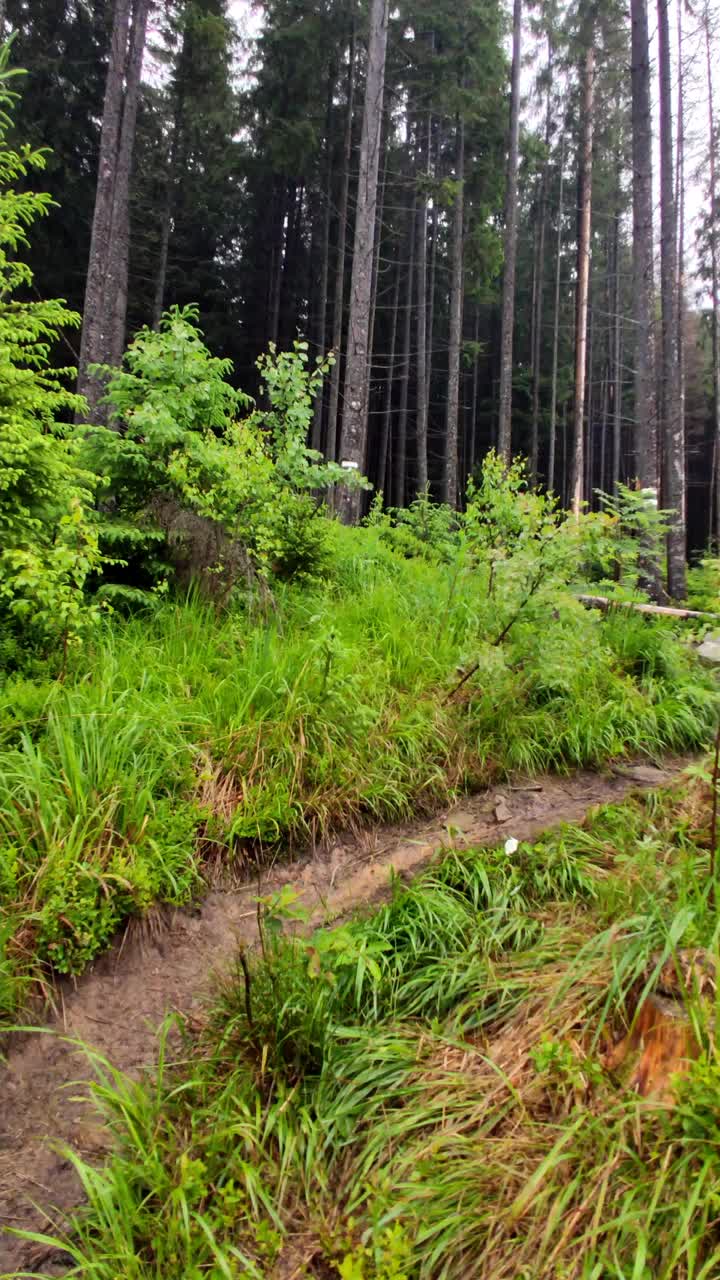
185,732
428,1098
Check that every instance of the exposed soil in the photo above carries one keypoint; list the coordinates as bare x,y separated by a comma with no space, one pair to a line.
118,1005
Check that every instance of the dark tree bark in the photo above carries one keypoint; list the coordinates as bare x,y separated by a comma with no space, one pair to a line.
339,298
556,328
590,397
450,486
94,342
680,203
278,241
321,327
714,279
421,261
119,256
161,278
617,379
354,429
472,431
433,277
375,290
540,278
510,224
583,276
646,444
400,458
673,435
384,443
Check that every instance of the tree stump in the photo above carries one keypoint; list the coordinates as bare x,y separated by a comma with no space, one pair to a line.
662,1041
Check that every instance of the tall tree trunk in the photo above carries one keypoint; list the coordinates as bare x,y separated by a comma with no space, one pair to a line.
94,342
119,257
421,260
583,275
339,298
291,259
556,327
161,277
590,397
433,276
537,338
450,486
616,360
379,219
680,201
401,434
317,423
646,441
670,408
510,241
472,433
384,445
276,271
715,278
540,276
354,428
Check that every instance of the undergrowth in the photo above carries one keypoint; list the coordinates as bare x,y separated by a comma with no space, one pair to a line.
425,1093
187,738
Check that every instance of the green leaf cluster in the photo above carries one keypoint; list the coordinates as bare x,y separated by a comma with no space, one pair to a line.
182,441
47,534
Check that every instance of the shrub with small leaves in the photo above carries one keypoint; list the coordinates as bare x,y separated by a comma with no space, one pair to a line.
178,443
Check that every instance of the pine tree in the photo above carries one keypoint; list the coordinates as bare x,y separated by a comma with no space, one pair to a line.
353,448
584,251
510,225
671,420
107,266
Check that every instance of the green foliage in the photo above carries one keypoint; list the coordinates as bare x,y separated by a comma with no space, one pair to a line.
704,584
695,1118
425,528
335,708
47,537
635,538
175,445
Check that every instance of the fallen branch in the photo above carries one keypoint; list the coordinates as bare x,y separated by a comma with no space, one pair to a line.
604,603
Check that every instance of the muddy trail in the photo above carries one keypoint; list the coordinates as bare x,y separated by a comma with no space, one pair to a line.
118,1006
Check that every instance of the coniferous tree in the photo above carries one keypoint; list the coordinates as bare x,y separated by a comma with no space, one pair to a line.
353,449
510,234
107,265
584,251
646,450
671,421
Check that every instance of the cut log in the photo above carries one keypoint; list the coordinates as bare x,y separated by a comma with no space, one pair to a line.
605,603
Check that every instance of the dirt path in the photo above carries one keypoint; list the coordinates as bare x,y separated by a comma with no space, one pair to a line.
118,1006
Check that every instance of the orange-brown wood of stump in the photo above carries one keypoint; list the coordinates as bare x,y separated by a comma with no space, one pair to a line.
660,1045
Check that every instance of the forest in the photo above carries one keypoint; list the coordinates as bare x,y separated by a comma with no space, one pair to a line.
506,246
359,639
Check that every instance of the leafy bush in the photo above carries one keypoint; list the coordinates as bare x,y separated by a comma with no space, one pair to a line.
48,540
425,528
704,584
633,547
192,486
